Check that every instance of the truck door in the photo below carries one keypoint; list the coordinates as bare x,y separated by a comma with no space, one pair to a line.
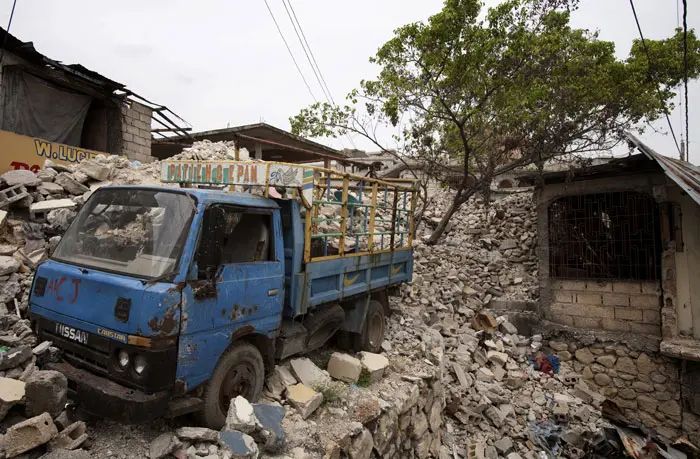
235,287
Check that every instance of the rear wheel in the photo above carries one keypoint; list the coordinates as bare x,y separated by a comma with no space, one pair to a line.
240,371
372,335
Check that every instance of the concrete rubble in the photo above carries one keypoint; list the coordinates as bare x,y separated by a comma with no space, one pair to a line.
455,378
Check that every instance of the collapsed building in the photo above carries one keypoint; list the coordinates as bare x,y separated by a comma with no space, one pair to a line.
66,113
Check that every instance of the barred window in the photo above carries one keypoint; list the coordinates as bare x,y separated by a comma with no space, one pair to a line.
604,236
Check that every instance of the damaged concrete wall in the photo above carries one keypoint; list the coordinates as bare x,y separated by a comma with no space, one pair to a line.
136,132
615,305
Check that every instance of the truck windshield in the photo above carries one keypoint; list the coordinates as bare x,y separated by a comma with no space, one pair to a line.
137,232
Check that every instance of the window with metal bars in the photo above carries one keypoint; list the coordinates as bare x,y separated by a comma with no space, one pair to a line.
604,236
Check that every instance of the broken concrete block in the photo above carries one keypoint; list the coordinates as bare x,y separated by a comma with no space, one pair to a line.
375,364
13,194
498,373
40,210
50,188
70,184
8,265
47,391
20,177
94,170
344,367
239,445
241,416
504,445
270,431
361,446
29,434
280,378
11,392
70,438
163,445
497,358
197,434
46,175
14,357
484,374
304,399
41,348
3,216
308,373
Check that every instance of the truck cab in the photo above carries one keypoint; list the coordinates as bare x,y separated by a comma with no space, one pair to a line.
170,300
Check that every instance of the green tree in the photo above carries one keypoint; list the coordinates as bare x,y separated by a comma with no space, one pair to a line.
477,95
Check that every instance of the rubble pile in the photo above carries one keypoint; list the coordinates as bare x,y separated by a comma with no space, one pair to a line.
361,405
488,252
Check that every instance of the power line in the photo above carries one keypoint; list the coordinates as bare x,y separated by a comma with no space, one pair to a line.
646,51
301,36
311,52
294,24
685,74
290,52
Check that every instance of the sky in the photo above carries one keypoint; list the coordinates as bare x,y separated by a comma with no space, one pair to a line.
223,63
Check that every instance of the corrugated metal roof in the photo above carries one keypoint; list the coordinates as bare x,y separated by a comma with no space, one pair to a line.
684,174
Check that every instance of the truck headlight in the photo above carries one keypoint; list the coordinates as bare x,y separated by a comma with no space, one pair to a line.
123,359
139,364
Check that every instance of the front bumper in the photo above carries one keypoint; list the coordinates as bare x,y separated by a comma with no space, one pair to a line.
105,398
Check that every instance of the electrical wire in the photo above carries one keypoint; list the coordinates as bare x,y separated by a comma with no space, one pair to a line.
311,52
296,31
301,74
301,36
646,51
685,75
7,31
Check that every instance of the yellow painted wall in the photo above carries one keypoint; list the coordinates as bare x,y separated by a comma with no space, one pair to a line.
23,152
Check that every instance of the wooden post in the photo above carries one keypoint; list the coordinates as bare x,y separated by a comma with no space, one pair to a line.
307,236
372,213
344,217
411,222
258,151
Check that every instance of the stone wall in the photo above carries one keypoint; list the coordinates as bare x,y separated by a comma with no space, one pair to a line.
136,132
616,306
628,370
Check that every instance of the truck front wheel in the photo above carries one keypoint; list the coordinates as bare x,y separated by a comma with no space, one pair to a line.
372,335
240,371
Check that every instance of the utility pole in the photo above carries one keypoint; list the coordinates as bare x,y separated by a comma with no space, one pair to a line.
682,150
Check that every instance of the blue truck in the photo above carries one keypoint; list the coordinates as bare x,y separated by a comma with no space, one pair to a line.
167,300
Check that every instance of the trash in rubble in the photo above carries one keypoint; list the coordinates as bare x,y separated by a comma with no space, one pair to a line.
548,364
484,321
546,435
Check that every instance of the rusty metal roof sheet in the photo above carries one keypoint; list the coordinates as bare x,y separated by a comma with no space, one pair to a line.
684,174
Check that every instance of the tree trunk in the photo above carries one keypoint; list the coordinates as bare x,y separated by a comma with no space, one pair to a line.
454,207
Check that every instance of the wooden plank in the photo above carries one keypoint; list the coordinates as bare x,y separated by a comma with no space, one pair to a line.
344,216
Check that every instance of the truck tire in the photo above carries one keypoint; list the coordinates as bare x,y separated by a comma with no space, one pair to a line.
372,335
240,371
322,325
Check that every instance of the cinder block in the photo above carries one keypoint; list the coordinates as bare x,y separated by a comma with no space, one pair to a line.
645,301
646,329
126,137
146,118
628,314
563,296
569,285
598,286
616,299
12,194
133,130
588,322
651,317
651,287
616,325
583,310
563,319
627,287
589,298
29,434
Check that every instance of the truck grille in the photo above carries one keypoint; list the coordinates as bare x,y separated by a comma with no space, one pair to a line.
92,356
